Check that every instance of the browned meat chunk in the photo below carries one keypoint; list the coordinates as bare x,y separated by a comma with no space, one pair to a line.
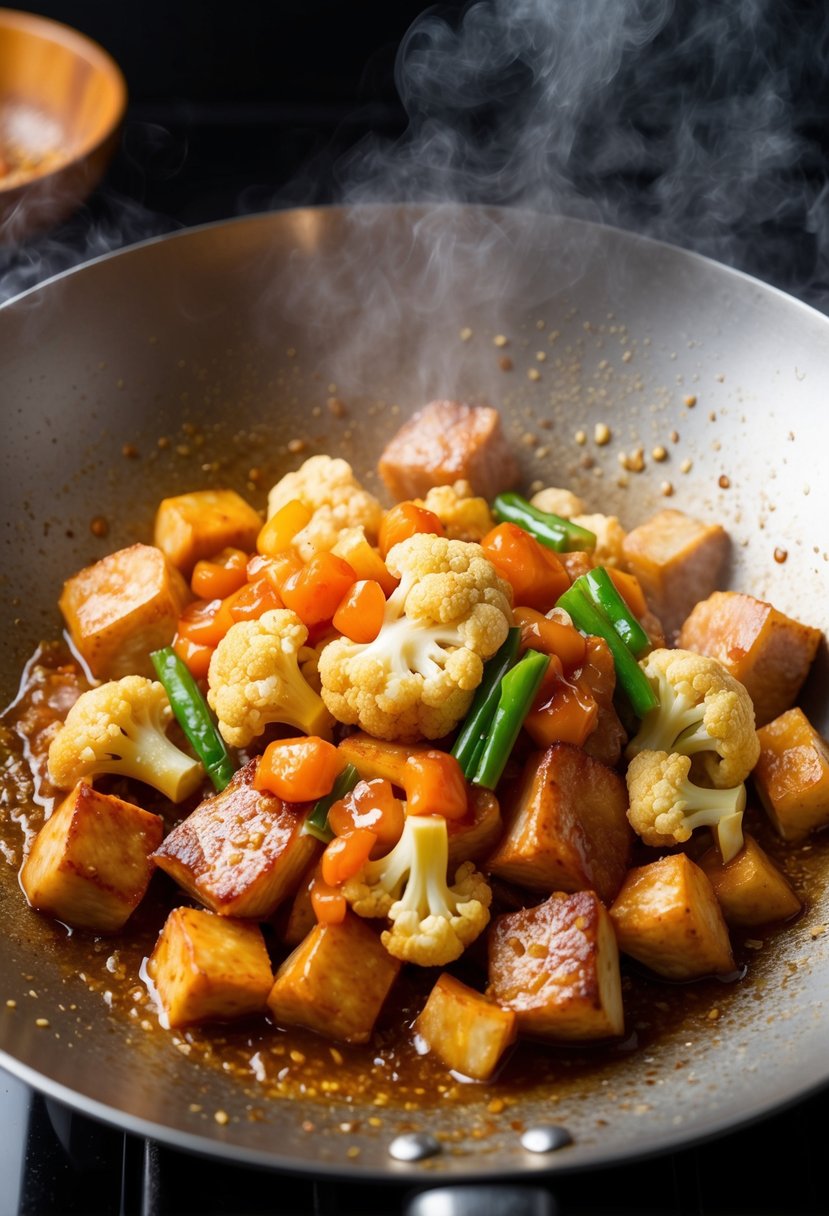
567,827
667,916
768,652
240,852
445,442
90,863
464,1029
557,966
678,560
750,889
792,775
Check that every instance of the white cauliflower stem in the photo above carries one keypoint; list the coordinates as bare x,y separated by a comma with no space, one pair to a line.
450,613
703,712
119,728
431,922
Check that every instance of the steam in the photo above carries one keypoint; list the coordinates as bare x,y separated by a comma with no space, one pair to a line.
689,123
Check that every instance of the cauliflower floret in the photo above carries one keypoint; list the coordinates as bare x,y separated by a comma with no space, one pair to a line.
463,515
557,501
255,678
120,727
328,487
450,613
665,807
703,712
431,922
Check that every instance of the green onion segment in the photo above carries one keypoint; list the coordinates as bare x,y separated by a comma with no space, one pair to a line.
193,715
557,533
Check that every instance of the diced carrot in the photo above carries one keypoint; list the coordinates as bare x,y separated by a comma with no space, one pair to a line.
275,569
314,592
328,903
277,534
564,711
196,656
298,770
435,785
630,589
539,632
537,576
405,520
344,856
250,601
219,576
204,622
372,805
364,560
360,612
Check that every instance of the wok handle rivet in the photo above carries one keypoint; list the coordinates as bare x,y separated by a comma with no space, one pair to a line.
414,1146
545,1138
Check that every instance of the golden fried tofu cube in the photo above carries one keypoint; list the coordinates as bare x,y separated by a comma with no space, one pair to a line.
335,982
464,1029
766,651
123,607
792,775
241,852
557,966
566,825
667,916
750,889
678,561
208,968
90,863
192,526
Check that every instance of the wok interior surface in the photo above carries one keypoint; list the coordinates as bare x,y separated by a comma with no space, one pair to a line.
226,343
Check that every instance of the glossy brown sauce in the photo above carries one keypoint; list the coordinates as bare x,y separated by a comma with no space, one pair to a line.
271,1061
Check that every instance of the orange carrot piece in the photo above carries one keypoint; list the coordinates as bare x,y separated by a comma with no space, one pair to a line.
364,560
360,612
195,655
219,576
275,569
250,601
278,533
315,592
405,520
435,785
564,711
328,903
344,856
204,622
536,575
298,770
373,805
538,632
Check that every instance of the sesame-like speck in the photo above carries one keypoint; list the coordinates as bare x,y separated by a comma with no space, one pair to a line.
690,401
540,324
353,1151
195,1108
674,436
505,363
541,356
666,489
780,556
296,445
466,333
99,526
500,340
297,1057
723,481
42,1023
659,453
627,356
11,1003
130,451
580,438
529,440
533,374
686,465
221,1117
601,434
336,407
713,1014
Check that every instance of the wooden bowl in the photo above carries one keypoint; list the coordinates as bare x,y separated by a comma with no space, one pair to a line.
62,101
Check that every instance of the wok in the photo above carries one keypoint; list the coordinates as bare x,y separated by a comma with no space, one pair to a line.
227,341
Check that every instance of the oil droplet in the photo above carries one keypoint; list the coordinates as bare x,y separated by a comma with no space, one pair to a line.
780,555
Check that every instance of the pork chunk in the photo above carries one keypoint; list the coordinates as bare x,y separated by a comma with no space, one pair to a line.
768,652
557,967
667,916
678,561
191,526
90,863
566,826
240,852
121,608
750,889
445,442
792,775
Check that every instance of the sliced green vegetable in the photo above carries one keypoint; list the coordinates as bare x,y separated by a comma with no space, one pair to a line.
590,619
602,591
193,715
473,734
316,822
518,690
557,533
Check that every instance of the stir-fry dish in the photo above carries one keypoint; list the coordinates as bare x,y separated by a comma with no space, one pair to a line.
498,741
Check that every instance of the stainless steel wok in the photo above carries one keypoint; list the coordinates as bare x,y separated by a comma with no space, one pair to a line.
227,342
